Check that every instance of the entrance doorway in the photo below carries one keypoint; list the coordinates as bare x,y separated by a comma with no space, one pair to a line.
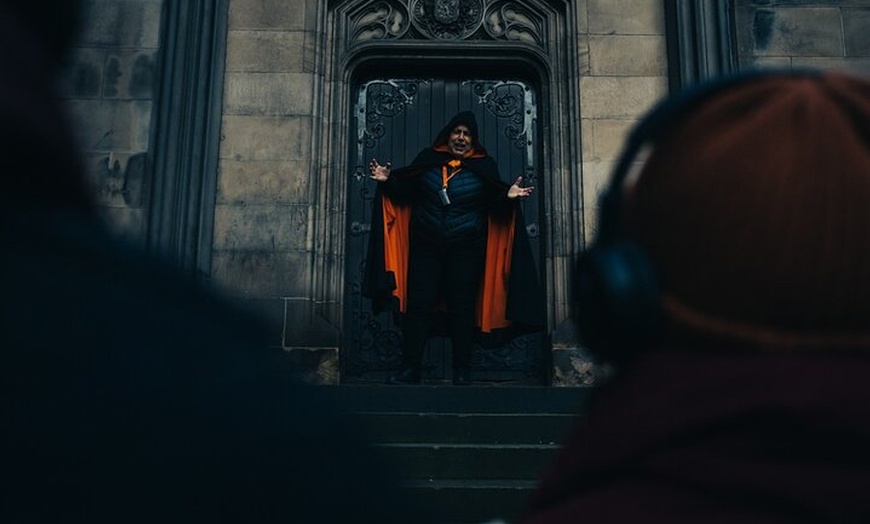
392,120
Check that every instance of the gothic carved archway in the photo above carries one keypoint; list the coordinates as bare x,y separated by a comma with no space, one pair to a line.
533,39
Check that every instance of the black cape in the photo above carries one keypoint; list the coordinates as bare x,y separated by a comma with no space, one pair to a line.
525,305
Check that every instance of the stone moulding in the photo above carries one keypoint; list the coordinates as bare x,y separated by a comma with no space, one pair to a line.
701,40
446,20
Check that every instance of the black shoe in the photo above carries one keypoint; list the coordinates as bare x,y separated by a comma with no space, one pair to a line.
461,378
405,376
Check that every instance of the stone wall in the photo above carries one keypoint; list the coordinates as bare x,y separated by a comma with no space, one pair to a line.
801,33
266,198
623,74
108,89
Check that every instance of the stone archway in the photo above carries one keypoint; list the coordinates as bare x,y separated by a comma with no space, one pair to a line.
534,37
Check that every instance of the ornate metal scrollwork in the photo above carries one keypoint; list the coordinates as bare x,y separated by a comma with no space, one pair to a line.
358,228
384,20
381,348
447,19
379,99
511,101
510,20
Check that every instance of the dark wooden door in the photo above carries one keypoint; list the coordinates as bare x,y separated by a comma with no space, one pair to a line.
394,119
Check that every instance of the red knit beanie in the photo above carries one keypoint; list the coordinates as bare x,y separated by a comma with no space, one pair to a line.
755,210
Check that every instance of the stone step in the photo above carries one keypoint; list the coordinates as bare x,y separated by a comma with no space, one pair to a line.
472,453
491,428
455,399
473,501
438,461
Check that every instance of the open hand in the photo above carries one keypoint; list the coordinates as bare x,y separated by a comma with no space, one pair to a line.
378,172
516,191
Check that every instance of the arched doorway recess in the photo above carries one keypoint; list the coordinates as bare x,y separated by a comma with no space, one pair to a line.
463,48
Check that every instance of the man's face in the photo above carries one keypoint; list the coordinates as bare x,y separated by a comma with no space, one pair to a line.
460,140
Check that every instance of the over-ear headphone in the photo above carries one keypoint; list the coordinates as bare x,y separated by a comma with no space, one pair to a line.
617,293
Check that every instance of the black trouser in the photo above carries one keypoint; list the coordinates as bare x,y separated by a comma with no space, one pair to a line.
450,273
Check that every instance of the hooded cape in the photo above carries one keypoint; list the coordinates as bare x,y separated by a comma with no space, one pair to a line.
510,300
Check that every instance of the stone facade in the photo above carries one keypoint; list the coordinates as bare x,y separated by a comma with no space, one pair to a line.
804,34
277,243
623,73
266,239
109,89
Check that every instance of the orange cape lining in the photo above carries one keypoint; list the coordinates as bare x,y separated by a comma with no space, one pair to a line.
492,298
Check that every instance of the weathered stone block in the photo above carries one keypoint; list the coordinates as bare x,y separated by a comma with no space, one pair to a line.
121,24
267,94
582,20
583,65
596,176
859,66
117,125
587,134
765,62
262,274
260,227
263,181
811,31
608,138
632,17
620,97
82,75
856,25
628,55
317,366
268,14
265,51
265,138
130,74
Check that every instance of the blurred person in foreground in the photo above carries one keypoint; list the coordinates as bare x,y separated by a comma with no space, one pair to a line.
729,286
128,393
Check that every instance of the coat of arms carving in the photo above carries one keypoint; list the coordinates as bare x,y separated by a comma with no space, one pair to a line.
447,19
446,11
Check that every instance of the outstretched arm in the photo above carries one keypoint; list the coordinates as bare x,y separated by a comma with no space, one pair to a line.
380,173
516,191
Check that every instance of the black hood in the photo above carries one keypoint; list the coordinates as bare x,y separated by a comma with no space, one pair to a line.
467,119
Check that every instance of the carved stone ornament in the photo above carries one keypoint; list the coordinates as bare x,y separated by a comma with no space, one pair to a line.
447,19
510,20
382,20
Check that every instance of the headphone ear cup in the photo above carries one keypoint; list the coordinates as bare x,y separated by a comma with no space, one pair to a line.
618,300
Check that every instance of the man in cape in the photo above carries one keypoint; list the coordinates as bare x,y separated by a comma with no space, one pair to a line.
447,236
